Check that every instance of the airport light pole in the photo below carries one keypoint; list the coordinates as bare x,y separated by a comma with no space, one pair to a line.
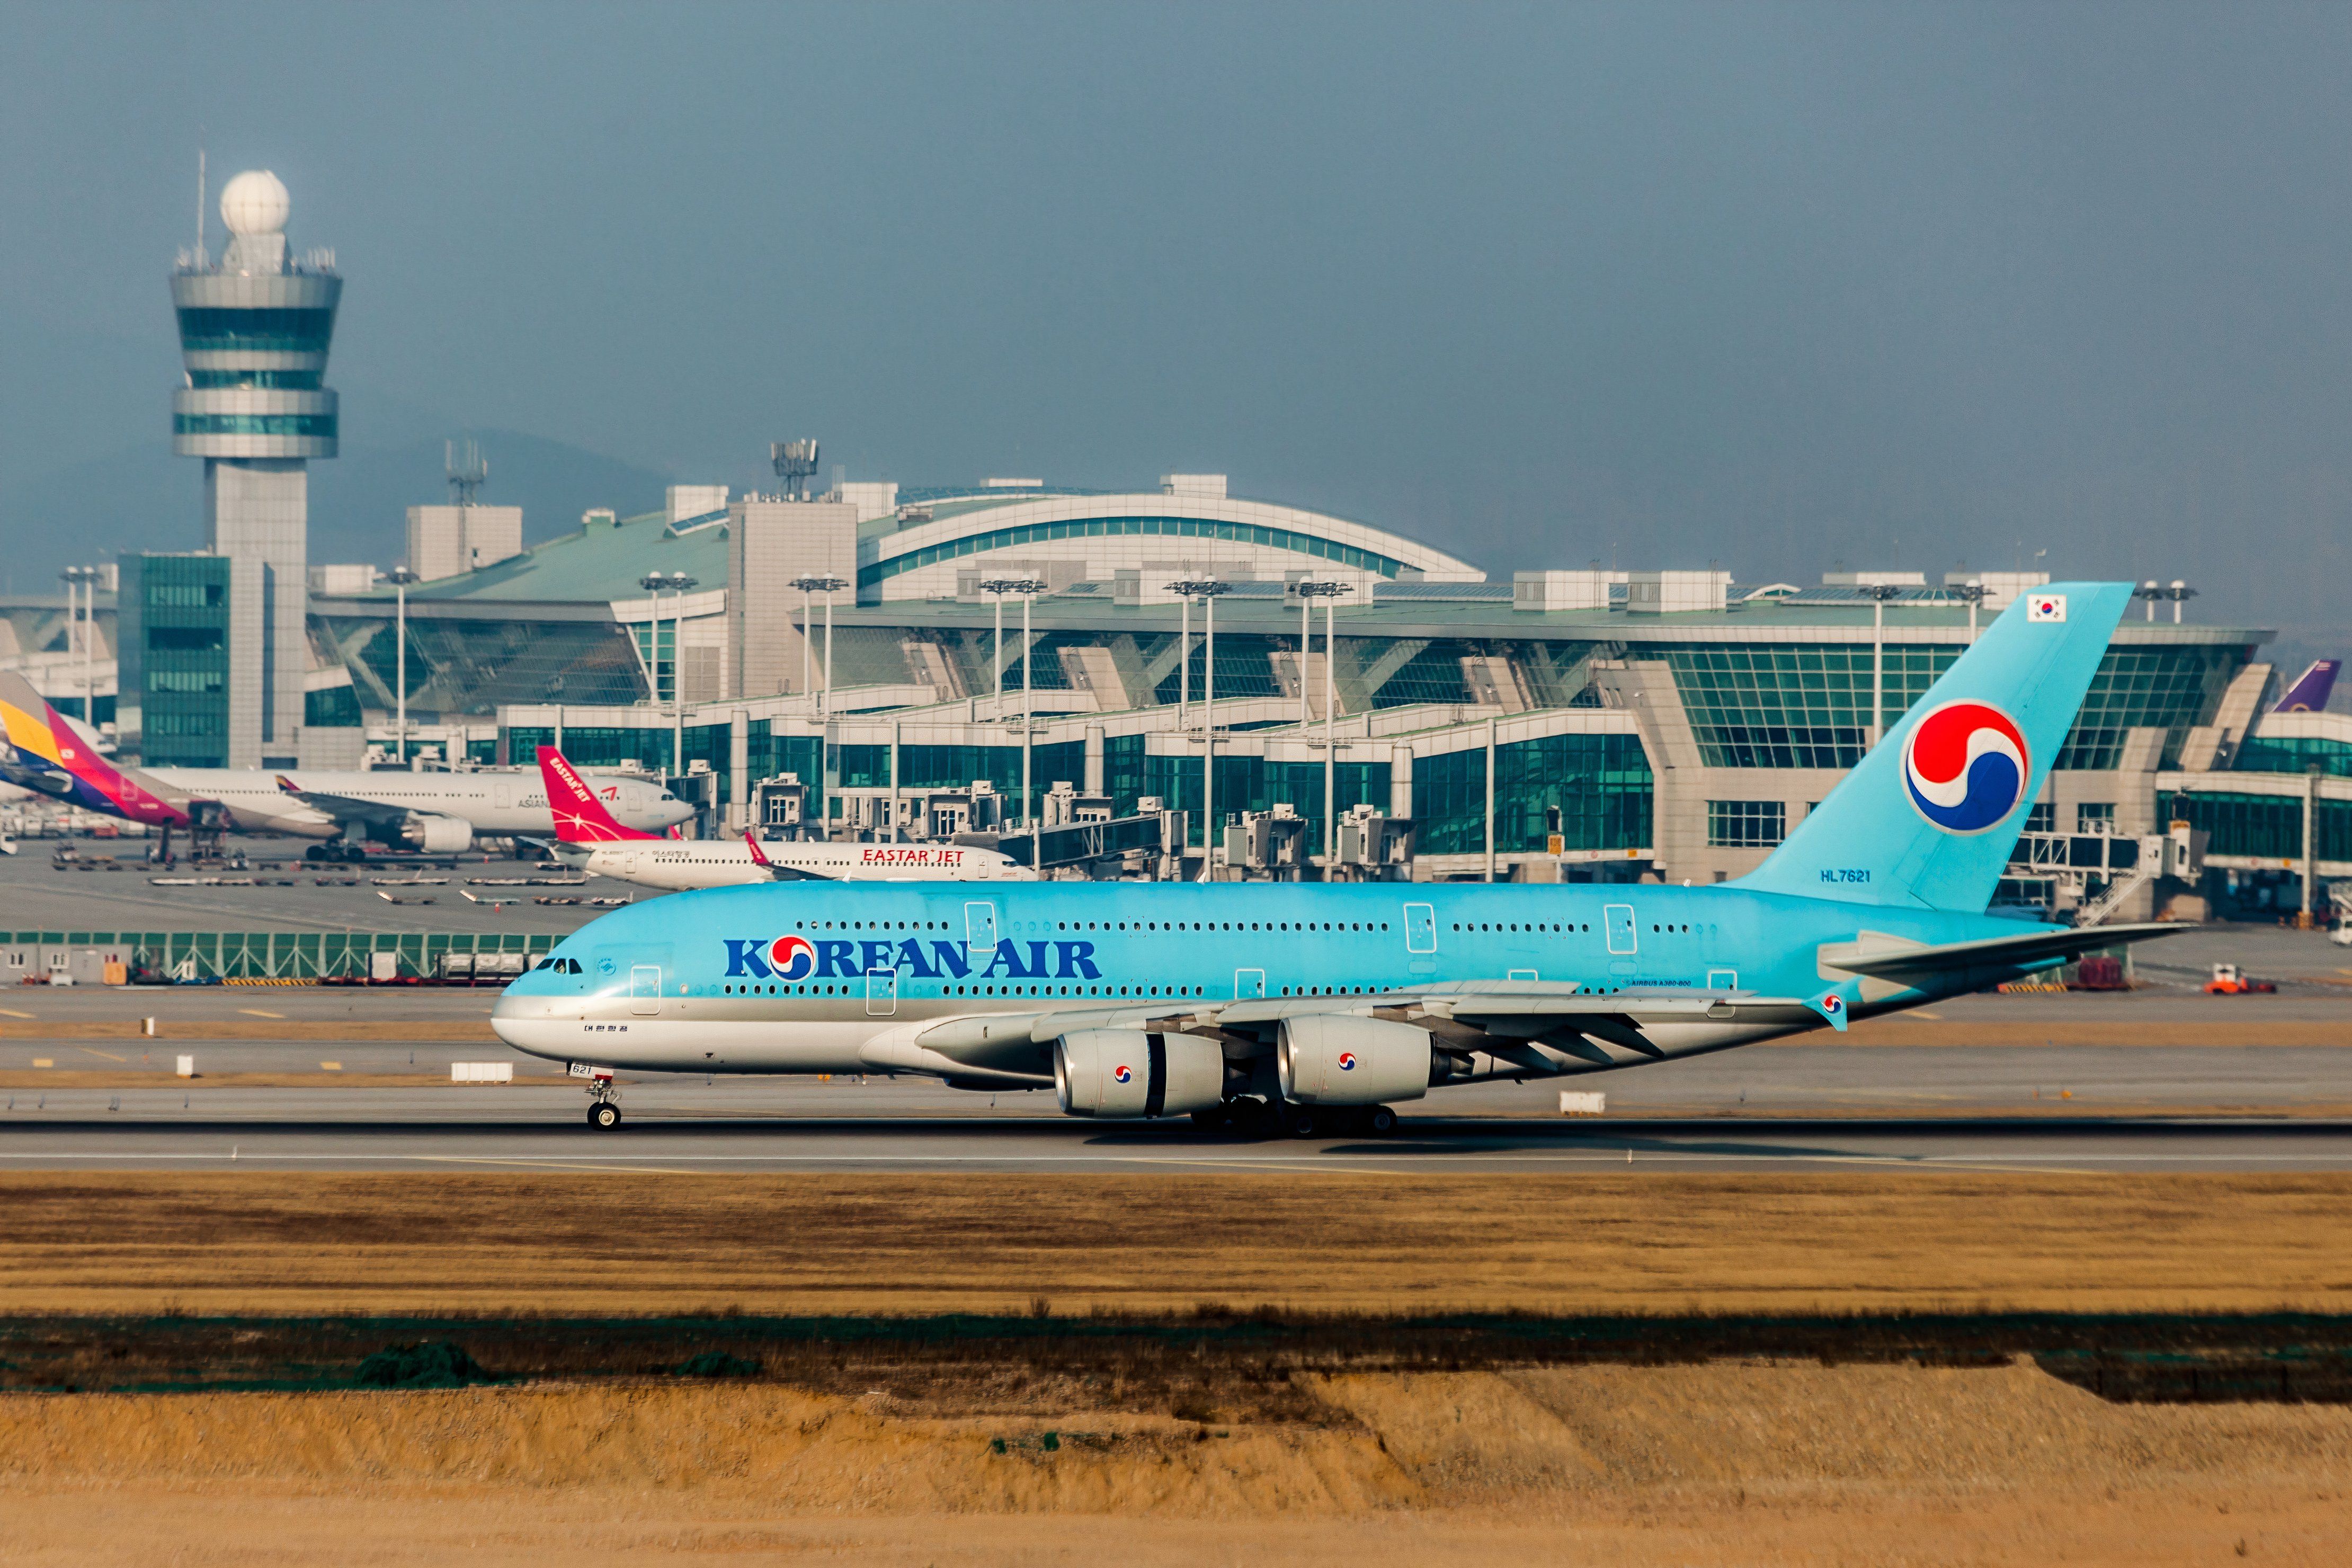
2179,593
1879,594
82,615
402,576
825,585
677,582
1206,590
1974,593
1329,593
1183,661
1028,588
2147,594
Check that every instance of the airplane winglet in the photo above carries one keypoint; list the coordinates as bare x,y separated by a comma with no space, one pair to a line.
759,857
1832,1007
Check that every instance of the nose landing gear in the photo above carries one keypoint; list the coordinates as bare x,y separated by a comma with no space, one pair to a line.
604,1116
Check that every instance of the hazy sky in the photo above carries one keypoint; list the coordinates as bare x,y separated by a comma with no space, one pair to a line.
1776,286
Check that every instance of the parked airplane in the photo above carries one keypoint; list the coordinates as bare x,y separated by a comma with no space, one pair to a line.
51,755
1319,1004
588,839
432,812
2310,691
47,754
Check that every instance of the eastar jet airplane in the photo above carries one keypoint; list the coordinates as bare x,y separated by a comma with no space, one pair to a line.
588,839
1323,1003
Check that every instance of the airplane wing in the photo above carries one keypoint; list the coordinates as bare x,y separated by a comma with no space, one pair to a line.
342,807
779,873
1510,1019
2031,949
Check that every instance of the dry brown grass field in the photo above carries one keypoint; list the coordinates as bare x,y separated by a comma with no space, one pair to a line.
602,1244
1723,1463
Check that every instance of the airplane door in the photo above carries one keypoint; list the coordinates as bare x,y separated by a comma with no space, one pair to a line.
1420,928
502,794
980,926
1248,982
881,993
1723,980
644,989
1620,918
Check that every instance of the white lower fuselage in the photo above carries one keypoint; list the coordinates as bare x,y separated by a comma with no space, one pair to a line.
684,864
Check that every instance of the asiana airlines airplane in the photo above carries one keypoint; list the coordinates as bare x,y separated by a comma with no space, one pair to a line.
1319,1006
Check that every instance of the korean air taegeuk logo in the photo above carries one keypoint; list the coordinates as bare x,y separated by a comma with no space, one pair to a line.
1965,766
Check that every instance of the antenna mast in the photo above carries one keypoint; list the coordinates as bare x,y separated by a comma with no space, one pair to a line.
202,190
467,469
794,462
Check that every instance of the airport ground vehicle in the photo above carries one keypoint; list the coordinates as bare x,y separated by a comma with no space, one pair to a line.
2229,980
1305,1002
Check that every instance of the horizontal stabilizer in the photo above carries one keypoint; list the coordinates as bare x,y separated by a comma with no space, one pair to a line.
2027,949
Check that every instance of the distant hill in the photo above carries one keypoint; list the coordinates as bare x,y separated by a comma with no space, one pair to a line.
142,498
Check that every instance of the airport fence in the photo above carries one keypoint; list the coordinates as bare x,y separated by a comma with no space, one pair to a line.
83,955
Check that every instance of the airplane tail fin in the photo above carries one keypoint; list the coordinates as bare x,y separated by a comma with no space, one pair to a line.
41,749
2311,688
1929,817
579,816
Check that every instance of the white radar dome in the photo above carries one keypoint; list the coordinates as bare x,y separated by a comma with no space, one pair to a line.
255,203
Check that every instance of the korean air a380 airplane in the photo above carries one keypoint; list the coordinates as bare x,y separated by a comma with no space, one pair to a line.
1320,1006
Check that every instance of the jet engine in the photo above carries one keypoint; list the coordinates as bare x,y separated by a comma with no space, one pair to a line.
1336,1059
431,833
1127,1074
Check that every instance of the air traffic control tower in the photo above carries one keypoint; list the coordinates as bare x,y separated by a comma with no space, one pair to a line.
254,331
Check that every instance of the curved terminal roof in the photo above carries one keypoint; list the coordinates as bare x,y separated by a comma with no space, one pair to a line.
1058,525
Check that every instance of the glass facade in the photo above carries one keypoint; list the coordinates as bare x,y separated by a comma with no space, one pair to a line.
1794,706
208,328
593,746
658,649
1601,786
2168,689
282,380
1115,527
2269,827
1125,768
2293,754
1808,705
181,655
319,425
1745,824
1253,784
472,666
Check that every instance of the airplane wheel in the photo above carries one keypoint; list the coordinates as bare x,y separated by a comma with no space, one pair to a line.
1299,1121
604,1115
1381,1122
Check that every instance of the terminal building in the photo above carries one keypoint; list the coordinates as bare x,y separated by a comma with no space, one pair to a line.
867,645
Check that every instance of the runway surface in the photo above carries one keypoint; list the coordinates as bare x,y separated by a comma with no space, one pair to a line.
1425,1144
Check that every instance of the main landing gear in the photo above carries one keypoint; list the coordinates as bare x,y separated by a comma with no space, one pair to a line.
1256,1118
603,1102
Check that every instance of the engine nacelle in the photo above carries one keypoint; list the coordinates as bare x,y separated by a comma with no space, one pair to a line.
431,833
1335,1059
1125,1074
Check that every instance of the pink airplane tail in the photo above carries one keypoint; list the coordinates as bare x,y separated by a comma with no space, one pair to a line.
580,814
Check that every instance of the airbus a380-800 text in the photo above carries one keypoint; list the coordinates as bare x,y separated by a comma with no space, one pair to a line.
1321,1004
